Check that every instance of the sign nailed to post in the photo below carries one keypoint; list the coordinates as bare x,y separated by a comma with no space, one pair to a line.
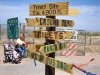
46,49
54,35
52,62
48,22
50,9
12,28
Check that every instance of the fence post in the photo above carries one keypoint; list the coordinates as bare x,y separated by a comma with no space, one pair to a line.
20,28
0,32
90,39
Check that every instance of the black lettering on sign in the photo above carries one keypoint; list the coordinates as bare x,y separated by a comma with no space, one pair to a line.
42,34
62,46
41,58
50,35
65,66
60,35
35,13
38,7
37,34
32,55
35,56
48,22
70,23
57,64
56,35
51,12
42,21
56,22
45,49
61,65
63,22
56,47
53,6
48,48
53,48
50,61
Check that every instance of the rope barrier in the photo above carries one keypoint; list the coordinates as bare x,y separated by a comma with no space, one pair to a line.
84,71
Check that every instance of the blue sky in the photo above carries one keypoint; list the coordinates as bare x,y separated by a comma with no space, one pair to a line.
89,17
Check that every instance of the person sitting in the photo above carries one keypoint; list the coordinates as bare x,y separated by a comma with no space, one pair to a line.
16,59
21,45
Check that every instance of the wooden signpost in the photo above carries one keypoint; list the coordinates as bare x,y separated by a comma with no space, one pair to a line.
46,53
48,22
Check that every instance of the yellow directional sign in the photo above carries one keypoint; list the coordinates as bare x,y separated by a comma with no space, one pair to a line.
52,62
31,47
50,9
73,12
46,49
48,22
54,35
59,5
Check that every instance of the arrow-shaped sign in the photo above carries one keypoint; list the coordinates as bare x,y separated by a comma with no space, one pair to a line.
48,22
54,35
51,62
52,9
46,49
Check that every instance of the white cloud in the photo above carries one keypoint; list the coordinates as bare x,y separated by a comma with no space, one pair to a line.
87,19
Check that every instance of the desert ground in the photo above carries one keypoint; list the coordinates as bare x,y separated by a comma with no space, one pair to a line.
27,67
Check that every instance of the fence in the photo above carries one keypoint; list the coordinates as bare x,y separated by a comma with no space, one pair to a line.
86,42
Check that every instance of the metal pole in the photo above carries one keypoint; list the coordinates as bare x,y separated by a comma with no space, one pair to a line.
24,29
85,43
0,31
20,28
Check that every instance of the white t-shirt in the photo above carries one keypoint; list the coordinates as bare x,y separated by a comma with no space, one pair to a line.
20,42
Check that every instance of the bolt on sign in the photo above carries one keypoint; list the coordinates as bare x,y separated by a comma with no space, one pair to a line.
52,62
12,28
46,49
50,9
48,22
54,35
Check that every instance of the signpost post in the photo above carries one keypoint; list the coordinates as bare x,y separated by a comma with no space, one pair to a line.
12,28
48,69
